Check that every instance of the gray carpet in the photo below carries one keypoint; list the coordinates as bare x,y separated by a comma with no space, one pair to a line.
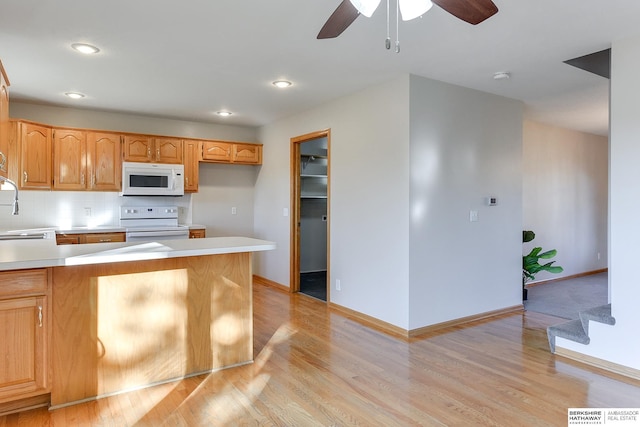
565,298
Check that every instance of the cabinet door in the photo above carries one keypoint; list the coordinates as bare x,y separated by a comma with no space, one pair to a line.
69,159
104,166
4,122
191,157
216,151
168,150
247,153
138,148
35,156
197,233
23,347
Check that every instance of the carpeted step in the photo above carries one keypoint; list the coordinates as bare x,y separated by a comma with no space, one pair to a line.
571,330
601,314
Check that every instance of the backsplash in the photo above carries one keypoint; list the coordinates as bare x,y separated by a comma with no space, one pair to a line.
78,208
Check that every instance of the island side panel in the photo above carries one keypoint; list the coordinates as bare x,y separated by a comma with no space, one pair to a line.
124,325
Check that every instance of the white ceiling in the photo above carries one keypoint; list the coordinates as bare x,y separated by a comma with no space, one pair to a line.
189,59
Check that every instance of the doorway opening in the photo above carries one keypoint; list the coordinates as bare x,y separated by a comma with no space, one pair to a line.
310,214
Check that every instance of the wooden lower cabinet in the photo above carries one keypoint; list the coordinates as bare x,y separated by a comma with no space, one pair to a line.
25,331
80,238
117,326
104,237
197,233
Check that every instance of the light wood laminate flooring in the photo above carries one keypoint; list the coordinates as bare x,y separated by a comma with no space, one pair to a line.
315,367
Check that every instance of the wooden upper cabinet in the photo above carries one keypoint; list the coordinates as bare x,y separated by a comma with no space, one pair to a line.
216,151
168,150
148,149
86,160
35,156
69,159
191,158
103,161
4,121
231,152
247,153
138,148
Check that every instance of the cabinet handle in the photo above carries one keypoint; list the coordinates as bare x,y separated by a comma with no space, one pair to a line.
158,153
3,161
82,178
40,316
104,240
149,152
25,176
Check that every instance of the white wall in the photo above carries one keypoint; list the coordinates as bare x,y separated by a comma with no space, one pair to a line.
465,146
369,191
409,159
619,344
565,196
221,186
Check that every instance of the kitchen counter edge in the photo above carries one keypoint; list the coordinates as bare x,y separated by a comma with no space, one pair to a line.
20,255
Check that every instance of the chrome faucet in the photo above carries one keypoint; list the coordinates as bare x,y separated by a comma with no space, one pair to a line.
15,197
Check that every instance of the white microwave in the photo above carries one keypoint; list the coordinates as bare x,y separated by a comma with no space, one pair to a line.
152,179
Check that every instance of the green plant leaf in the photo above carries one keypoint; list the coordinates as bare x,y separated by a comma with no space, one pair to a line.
528,235
548,254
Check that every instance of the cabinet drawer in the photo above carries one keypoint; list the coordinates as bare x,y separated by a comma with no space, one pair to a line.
104,237
23,282
67,239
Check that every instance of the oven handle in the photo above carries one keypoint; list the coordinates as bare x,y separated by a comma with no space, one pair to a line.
157,233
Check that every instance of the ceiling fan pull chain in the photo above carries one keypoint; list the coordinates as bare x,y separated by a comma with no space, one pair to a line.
387,42
397,26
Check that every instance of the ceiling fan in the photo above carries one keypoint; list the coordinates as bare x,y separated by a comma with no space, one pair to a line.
471,11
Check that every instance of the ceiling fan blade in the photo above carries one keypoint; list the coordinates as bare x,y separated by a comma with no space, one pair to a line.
339,20
471,11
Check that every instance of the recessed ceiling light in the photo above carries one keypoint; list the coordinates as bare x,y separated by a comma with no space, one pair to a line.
281,84
75,95
224,113
501,75
85,48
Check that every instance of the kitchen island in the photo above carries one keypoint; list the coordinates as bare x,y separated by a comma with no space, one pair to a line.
118,316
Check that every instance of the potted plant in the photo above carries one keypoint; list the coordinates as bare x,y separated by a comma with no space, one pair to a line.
531,262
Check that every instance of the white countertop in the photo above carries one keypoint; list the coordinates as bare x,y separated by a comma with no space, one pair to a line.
23,254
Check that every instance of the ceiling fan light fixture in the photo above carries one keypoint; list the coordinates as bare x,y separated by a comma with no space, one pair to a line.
365,7
411,9
85,48
281,84
75,95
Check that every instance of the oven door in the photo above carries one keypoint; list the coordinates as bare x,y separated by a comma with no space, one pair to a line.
152,236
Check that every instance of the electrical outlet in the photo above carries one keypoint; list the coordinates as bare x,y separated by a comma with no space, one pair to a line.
87,211
338,286
473,216
234,210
